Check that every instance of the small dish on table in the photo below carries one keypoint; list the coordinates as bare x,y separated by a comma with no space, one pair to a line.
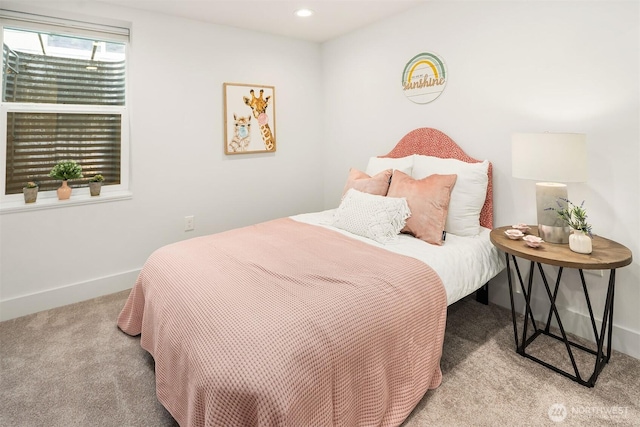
521,227
533,241
514,234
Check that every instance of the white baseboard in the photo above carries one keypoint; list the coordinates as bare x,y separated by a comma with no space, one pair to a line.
623,340
27,304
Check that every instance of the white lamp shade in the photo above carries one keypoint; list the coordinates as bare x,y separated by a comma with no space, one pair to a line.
553,157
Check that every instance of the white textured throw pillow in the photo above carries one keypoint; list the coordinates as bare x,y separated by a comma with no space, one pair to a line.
376,217
379,164
468,195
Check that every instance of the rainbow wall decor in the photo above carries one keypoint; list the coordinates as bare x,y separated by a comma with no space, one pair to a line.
424,77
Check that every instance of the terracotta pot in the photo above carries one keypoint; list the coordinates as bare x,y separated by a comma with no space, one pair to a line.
30,194
64,192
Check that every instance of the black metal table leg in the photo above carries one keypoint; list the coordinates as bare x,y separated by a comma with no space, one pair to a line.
612,284
605,330
513,309
555,295
555,312
528,313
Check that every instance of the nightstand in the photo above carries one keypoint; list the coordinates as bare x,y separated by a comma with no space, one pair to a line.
606,255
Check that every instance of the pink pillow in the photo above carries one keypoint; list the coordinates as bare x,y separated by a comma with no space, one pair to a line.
378,184
428,200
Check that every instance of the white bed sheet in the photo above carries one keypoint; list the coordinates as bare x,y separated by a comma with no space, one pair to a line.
464,264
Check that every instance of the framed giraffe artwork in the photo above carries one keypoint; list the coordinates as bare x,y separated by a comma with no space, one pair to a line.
249,118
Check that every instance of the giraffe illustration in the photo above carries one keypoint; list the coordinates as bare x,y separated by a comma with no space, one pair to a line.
259,106
241,133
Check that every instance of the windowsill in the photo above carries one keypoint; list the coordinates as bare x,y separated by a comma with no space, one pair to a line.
14,206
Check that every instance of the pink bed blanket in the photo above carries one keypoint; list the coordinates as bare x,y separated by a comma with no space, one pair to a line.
288,324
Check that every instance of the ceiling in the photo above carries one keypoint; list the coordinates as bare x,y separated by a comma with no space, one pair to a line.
331,18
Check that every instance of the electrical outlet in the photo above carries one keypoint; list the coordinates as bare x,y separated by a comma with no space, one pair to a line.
599,273
189,223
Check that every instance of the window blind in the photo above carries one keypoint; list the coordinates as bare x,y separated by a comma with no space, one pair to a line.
63,108
56,80
37,141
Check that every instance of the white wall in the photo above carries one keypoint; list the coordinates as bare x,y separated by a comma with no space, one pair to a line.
55,257
513,67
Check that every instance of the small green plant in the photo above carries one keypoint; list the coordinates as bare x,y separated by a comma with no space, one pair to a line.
96,178
573,215
31,184
66,169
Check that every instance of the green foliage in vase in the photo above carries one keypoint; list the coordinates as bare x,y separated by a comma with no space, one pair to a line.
66,169
96,178
573,215
31,184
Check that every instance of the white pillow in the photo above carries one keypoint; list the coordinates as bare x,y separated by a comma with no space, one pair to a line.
468,195
379,164
375,217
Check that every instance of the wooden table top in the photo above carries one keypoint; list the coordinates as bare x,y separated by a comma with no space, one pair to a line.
606,254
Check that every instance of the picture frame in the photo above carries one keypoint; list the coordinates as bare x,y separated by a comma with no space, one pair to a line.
249,118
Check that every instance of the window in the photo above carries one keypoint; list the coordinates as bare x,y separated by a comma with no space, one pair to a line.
64,97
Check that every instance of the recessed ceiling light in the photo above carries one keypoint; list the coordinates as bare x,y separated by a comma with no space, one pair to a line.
303,13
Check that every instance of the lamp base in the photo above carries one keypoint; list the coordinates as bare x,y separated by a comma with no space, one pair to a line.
552,234
551,196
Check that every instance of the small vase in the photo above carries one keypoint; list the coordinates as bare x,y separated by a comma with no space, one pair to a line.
94,187
580,242
30,194
64,192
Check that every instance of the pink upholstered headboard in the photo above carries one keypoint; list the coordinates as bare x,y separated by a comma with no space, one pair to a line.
432,142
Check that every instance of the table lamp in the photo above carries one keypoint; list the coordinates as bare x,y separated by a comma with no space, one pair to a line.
555,158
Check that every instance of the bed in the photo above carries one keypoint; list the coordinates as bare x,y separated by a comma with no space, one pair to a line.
323,318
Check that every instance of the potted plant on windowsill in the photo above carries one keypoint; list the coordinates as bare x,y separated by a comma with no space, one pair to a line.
95,184
576,217
65,170
30,192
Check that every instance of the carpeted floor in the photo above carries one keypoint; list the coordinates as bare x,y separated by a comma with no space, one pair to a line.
71,366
